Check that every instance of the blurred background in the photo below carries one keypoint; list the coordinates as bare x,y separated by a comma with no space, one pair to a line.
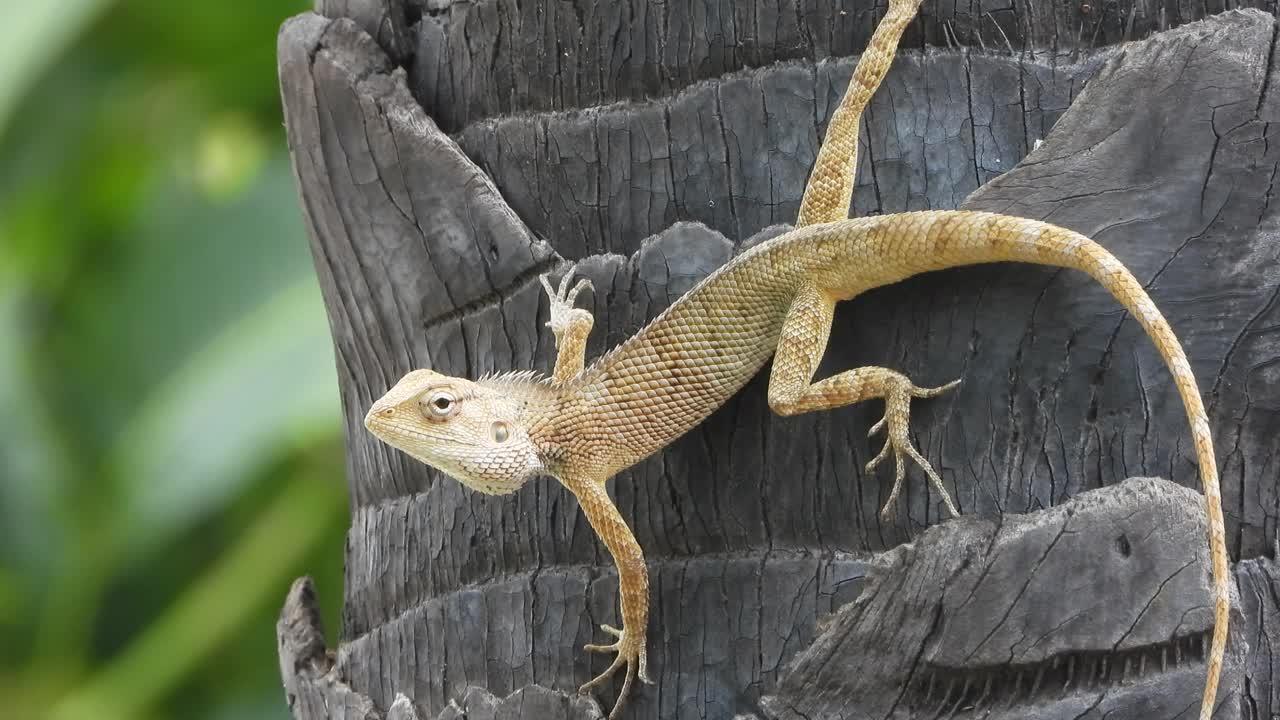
170,450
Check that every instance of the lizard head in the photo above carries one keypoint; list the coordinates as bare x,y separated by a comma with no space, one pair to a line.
474,431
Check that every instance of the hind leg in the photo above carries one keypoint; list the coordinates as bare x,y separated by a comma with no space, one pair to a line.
830,187
792,390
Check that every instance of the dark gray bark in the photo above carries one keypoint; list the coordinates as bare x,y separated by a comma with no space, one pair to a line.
757,527
478,60
386,21
1094,608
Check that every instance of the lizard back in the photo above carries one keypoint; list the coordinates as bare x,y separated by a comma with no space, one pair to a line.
668,377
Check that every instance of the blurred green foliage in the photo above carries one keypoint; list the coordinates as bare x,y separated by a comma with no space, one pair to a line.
170,447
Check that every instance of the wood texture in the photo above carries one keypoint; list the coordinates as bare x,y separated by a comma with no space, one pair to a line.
477,60
757,526
1094,608
386,21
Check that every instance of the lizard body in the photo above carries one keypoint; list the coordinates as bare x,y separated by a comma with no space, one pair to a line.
777,300
583,424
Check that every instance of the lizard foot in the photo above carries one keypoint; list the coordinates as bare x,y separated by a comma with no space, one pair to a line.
897,411
631,653
563,314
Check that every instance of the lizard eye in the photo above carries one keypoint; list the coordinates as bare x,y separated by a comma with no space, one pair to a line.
438,405
500,432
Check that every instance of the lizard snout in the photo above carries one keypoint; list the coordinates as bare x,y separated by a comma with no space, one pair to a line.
378,413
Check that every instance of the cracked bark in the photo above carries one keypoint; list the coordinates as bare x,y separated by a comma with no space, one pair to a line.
775,585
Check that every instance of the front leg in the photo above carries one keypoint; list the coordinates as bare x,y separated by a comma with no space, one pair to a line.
792,390
633,589
571,326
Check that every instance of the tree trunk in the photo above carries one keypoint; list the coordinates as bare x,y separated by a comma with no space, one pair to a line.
448,153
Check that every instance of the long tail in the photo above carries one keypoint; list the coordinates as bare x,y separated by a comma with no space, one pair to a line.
959,237
830,187
1116,278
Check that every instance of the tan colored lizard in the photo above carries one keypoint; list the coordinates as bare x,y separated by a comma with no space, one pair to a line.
583,425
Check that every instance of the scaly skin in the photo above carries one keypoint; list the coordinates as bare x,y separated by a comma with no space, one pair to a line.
774,300
830,188
584,425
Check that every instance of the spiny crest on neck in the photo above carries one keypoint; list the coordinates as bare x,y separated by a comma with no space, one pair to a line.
525,384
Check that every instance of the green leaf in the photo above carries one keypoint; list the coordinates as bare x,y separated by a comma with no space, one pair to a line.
198,352
254,572
267,382
33,36
33,477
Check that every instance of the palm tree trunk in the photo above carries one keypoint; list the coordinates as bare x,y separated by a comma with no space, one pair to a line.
447,153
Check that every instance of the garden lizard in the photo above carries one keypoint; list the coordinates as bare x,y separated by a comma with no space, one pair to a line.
584,424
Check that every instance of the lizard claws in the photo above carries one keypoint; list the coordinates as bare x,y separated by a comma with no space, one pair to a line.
897,412
605,648
631,654
563,298
563,295
571,296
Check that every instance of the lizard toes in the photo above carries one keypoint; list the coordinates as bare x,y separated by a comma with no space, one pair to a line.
874,462
878,426
934,391
564,282
583,284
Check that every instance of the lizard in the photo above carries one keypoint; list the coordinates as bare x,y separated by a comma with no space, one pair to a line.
584,424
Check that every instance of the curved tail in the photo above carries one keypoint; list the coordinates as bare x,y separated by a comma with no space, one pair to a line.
1042,243
955,238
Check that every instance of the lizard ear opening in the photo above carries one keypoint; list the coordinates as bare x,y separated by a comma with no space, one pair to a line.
500,432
